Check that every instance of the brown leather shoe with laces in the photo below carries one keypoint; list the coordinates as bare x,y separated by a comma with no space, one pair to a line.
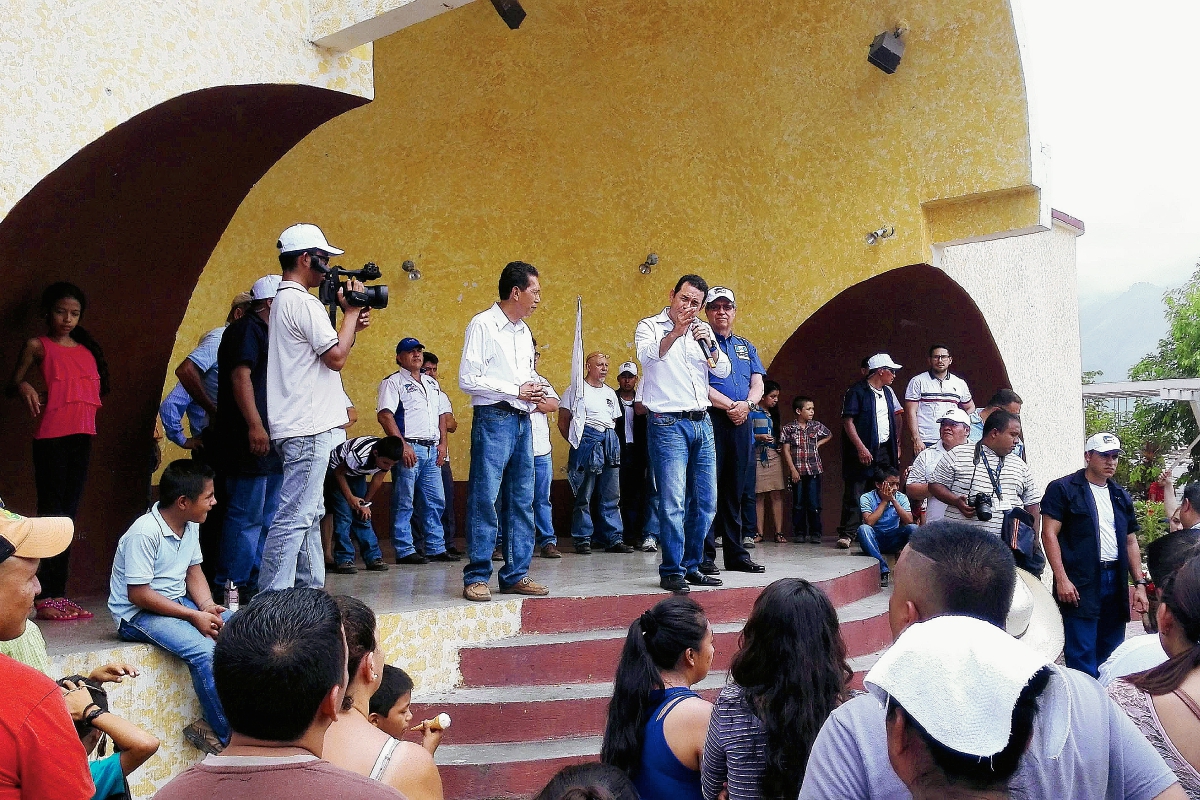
477,592
526,586
551,551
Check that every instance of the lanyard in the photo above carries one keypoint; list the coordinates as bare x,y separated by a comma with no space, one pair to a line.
994,478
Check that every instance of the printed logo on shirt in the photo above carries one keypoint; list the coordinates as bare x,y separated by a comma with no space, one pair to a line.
742,351
410,387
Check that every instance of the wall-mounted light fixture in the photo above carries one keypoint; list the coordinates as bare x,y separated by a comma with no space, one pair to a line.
875,237
887,50
414,274
649,264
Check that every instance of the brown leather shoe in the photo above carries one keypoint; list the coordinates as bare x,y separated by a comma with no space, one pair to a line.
526,586
551,551
478,593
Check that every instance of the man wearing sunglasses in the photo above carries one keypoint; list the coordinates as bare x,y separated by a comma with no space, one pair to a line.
40,754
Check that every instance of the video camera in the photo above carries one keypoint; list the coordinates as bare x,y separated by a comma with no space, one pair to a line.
369,297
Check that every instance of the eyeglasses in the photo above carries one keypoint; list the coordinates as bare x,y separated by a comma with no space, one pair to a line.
940,358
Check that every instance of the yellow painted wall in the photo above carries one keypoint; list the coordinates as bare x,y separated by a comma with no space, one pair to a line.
749,142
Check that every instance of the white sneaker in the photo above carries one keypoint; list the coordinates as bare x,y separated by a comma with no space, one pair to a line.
649,545
748,542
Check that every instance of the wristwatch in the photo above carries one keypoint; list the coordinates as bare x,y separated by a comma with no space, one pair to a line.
1141,582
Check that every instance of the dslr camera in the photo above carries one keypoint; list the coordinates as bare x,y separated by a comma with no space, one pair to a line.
982,503
369,297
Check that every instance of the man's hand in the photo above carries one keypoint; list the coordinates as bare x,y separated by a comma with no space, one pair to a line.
918,447
1066,592
702,332
193,443
1141,603
113,673
739,412
683,322
78,699
441,454
409,457
364,319
352,285
260,443
207,623
531,392
961,505
864,456
360,508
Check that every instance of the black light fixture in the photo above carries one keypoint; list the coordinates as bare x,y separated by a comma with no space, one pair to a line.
649,264
414,274
886,50
511,12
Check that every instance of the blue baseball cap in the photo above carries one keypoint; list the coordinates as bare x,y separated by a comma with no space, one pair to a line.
409,343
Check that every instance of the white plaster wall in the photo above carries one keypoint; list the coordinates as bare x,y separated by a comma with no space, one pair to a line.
1025,286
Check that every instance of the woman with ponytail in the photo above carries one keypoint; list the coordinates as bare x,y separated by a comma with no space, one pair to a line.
75,375
788,674
656,723
1164,702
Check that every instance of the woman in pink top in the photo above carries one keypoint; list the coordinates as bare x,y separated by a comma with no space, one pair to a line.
75,375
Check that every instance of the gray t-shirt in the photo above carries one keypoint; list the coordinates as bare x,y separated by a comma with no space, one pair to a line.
1103,755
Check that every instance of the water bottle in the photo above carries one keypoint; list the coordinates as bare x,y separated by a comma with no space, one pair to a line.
231,596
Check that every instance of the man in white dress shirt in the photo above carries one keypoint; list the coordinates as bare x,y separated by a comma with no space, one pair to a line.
305,404
497,371
678,351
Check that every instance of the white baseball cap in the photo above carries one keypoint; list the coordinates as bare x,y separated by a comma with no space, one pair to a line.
880,360
1102,443
720,292
629,367
305,237
955,415
265,287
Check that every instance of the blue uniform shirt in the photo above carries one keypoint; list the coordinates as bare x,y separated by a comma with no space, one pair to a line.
744,358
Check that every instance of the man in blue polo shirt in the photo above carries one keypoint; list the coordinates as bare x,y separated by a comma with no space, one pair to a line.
731,398
1089,533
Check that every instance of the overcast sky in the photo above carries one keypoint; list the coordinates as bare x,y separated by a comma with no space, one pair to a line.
1116,87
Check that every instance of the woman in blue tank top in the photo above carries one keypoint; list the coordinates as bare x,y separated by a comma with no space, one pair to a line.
656,723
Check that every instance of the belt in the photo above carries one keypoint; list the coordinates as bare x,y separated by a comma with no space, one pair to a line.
694,416
423,442
1109,565
508,407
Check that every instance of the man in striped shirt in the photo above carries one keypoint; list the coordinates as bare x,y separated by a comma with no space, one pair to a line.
350,464
930,395
989,468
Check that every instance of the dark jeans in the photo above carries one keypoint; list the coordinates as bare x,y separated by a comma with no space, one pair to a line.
212,530
449,520
634,482
735,472
60,468
1091,640
806,507
856,486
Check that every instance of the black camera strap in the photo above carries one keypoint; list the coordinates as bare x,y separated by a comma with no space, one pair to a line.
994,478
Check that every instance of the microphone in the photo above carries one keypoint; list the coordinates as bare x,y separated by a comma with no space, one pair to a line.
709,344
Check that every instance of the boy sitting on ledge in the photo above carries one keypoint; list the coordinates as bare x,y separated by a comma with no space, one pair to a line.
159,595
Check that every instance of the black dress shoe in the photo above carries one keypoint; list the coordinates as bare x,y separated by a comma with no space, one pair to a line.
413,558
745,566
709,568
619,547
674,583
446,556
697,579
583,548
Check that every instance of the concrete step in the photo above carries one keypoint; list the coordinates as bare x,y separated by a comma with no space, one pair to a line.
591,656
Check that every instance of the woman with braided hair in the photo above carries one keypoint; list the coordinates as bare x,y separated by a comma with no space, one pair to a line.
656,723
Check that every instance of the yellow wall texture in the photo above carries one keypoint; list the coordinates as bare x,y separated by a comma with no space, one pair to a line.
79,69
749,142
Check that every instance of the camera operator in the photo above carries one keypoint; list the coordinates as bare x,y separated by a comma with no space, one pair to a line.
305,403
978,483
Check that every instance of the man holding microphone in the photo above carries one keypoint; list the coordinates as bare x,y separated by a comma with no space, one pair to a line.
678,352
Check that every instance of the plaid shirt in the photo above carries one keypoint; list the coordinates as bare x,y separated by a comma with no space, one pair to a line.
803,440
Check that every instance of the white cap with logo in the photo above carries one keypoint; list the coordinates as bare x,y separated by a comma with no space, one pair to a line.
955,415
881,360
629,367
305,237
720,292
265,287
1102,443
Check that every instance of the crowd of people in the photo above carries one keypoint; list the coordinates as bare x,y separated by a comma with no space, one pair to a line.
226,569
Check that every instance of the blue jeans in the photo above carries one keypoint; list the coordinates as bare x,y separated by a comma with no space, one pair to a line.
543,512
806,506
650,528
1090,641
418,489
449,528
253,501
609,527
346,522
501,468
180,638
684,462
292,554
876,543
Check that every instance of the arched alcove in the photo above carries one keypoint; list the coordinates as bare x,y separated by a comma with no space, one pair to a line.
901,312
132,219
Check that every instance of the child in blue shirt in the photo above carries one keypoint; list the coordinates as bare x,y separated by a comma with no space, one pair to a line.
887,519
88,704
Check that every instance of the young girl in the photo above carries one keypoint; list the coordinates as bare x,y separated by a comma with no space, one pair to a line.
769,478
75,375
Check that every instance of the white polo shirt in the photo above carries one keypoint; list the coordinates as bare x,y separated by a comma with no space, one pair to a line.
497,358
677,381
304,397
541,423
934,398
922,472
421,400
600,405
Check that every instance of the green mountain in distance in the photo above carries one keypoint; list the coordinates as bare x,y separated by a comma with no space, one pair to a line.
1116,330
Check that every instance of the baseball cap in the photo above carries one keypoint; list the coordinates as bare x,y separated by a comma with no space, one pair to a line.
718,292
955,415
408,343
981,672
265,287
629,367
305,237
34,537
1103,443
880,360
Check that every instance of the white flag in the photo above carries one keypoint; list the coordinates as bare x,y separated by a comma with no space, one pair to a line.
578,413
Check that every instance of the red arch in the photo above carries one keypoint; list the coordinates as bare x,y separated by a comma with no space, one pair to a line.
901,312
132,219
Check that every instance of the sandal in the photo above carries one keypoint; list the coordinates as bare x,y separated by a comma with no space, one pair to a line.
55,610
780,539
82,612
